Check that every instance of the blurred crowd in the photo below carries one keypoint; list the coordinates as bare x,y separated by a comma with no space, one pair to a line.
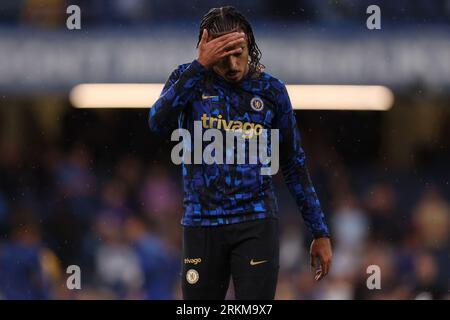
120,227
52,13
102,194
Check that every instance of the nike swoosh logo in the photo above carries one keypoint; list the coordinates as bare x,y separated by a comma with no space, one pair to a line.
208,97
254,263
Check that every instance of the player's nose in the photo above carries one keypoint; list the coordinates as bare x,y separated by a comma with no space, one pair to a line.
232,63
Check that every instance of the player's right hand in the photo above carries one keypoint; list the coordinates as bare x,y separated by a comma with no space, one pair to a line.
210,52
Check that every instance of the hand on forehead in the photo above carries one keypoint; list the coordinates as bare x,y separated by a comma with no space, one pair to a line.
213,35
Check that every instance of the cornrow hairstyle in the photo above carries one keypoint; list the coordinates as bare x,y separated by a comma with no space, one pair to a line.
219,21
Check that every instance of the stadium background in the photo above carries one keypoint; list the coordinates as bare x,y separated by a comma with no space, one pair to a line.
94,188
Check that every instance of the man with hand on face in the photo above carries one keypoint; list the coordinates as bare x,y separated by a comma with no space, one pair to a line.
230,224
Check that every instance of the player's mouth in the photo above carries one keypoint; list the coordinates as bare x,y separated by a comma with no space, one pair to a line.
232,75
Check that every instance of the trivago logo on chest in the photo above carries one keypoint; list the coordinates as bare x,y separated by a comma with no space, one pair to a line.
248,129
230,142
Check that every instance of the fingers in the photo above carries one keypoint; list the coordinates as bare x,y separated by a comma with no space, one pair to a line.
323,271
211,51
231,52
325,264
230,48
321,248
319,275
204,37
223,40
234,43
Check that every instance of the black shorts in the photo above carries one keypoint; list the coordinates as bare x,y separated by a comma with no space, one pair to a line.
246,251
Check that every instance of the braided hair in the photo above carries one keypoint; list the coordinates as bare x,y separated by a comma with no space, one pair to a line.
219,21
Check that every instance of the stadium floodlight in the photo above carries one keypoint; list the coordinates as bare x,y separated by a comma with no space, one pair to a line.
340,97
303,97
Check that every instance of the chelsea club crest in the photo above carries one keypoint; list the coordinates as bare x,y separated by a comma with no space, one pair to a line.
257,104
